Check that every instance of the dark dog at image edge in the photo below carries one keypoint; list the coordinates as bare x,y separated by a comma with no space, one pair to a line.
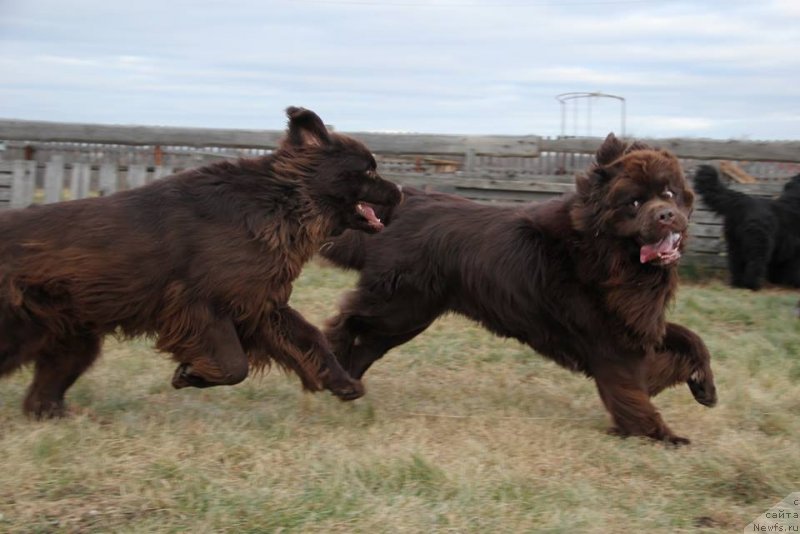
763,235
203,261
584,280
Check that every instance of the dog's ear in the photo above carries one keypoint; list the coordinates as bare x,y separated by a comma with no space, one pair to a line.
602,174
306,129
611,149
597,177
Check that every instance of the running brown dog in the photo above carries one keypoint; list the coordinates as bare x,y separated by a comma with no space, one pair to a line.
584,280
203,261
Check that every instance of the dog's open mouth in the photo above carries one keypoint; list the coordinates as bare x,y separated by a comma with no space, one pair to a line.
664,252
368,214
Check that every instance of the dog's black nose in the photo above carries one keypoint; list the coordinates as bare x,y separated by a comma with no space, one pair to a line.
666,216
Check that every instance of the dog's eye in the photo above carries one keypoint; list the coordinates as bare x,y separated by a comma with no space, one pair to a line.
668,193
635,203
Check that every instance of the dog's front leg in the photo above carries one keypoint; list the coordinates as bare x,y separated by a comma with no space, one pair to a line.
682,358
302,347
622,386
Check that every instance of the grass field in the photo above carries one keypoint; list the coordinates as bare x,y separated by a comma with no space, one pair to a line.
460,431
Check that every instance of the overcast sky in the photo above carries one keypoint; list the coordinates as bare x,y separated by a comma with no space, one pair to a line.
720,69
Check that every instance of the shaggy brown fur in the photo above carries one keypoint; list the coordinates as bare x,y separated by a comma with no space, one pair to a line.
203,260
583,279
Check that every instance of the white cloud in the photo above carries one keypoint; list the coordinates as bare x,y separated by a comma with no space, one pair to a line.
790,8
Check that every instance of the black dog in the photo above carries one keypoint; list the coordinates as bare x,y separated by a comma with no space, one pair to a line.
763,235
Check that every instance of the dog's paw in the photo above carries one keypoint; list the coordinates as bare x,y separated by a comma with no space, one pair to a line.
40,409
348,390
184,378
703,391
677,441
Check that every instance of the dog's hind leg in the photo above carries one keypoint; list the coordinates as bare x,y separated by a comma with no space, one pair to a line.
682,358
19,343
222,361
749,260
623,389
58,364
786,273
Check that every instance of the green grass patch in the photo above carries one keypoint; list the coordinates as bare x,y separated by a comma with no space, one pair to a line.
460,431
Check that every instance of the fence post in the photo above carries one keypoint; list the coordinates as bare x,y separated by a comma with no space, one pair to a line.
136,175
23,176
108,179
54,179
470,161
81,173
160,171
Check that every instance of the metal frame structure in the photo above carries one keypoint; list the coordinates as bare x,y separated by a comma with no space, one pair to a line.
576,97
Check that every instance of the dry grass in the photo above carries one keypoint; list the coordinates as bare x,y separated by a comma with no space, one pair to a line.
460,431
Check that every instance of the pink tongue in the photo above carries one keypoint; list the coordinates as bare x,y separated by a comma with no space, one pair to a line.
650,252
369,214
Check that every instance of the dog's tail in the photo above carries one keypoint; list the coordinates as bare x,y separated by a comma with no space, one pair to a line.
715,194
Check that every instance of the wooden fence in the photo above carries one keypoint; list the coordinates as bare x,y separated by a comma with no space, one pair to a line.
42,162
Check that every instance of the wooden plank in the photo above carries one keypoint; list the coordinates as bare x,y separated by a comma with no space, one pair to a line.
81,175
501,145
470,160
701,260
216,137
736,173
137,135
5,174
510,185
705,217
492,195
54,179
137,174
705,230
700,244
522,146
23,181
702,149
108,179
524,175
764,189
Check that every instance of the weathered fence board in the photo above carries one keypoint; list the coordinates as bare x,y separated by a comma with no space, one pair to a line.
43,131
54,180
160,172
6,179
701,149
81,180
498,145
23,184
108,179
137,135
137,175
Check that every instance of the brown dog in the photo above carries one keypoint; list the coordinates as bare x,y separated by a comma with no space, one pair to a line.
203,260
584,280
